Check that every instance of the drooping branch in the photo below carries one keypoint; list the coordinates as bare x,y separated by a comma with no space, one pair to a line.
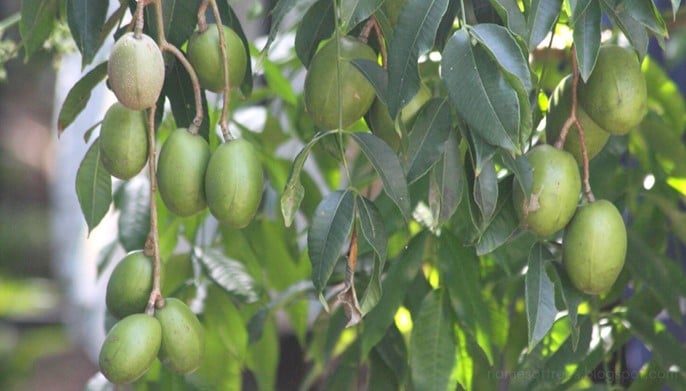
152,245
224,120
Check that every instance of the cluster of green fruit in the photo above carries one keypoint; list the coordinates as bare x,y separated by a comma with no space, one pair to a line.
174,334
612,101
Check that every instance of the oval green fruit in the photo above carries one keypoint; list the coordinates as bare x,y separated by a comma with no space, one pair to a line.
204,54
123,141
183,342
181,172
136,71
234,183
323,99
130,348
554,191
594,247
129,286
615,95
558,112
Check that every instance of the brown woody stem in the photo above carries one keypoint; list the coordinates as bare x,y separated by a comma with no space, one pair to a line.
152,245
224,120
139,19
202,22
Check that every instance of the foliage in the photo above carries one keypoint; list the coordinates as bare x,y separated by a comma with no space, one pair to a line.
418,251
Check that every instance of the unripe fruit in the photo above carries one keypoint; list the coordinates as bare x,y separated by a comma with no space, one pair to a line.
181,172
123,141
383,126
183,342
594,247
322,84
554,191
130,348
205,55
129,286
558,112
615,95
136,71
234,183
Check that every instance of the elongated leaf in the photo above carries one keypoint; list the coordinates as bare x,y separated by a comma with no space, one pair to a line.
413,36
509,11
179,17
279,12
329,231
134,217
372,294
432,349
486,190
387,165
503,226
355,11
647,14
372,226
86,19
587,37
540,19
447,184
36,23
633,29
227,273
376,75
427,138
571,298
225,325
178,87
521,168
230,19
78,96
93,187
540,295
316,25
504,49
480,93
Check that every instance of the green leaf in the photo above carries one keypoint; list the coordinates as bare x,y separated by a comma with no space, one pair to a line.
587,37
317,25
78,96
279,12
377,76
662,89
223,320
263,357
447,182
647,14
228,274
540,295
433,345
178,87
179,18
633,29
509,11
540,19
93,187
521,168
279,84
480,93
571,298
413,36
503,47
426,140
667,350
134,216
86,19
328,233
486,190
36,23
503,226
352,12
387,165
372,226
257,321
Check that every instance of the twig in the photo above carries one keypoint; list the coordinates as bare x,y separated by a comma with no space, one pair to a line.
202,22
366,29
224,120
382,46
152,245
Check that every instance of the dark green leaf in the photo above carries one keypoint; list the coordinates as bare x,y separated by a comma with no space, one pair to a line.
433,345
480,93
377,76
372,294
571,298
509,11
503,226
426,141
633,29
316,25
179,18
413,36
93,187
372,226
587,37
328,233
178,87
486,190
387,165
86,19
230,19
228,274
540,18
540,295
447,182
503,47
279,12
521,169
36,23
352,12
78,96
647,14
134,217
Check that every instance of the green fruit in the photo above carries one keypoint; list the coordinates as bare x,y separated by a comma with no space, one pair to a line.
130,348
136,71
129,286
183,342
383,126
615,95
123,142
234,183
181,172
558,112
594,247
322,96
554,191
205,55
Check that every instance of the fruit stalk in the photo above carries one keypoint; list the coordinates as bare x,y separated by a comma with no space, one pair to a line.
224,120
202,22
152,245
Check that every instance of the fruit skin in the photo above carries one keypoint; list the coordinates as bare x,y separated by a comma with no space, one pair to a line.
558,112
615,95
321,84
183,342
554,191
123,141
130,348
129,286
181,172
234,183
383,126
136,71
205,55
594,247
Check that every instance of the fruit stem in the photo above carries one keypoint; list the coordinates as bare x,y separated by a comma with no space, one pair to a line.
166,46
152,245
202,22
224,120
140,20
364,37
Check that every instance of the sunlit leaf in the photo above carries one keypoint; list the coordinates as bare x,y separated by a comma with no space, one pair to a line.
540,18
93,187
587,37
